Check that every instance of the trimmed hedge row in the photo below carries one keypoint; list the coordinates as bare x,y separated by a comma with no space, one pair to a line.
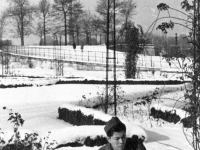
70,144
167,115
98,141
15,86
20,146
20,85
131,82
171,117
78,118
157,82
22,76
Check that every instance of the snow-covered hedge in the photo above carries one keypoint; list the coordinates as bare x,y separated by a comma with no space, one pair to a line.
170,114
127,81
132,129
181,113
78,118
25,82
13,82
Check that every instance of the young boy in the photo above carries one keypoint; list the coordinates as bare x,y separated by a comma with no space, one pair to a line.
117,140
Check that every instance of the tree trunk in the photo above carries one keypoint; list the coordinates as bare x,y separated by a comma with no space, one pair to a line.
65,17
22,33
77,36
44,31
96,38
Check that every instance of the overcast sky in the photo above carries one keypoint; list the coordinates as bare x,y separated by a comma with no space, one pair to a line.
145,14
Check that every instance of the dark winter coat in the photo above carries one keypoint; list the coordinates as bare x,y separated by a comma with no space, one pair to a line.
130,145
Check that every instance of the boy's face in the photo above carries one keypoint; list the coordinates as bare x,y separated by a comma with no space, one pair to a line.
118,140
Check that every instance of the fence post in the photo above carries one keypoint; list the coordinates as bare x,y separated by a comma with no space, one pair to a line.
102,56
69,54
117,58
95,56
160,62
142,60
88,56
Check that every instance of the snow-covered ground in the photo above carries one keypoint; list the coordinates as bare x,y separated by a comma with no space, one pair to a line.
39,105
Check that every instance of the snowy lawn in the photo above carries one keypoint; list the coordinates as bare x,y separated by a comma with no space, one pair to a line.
39,105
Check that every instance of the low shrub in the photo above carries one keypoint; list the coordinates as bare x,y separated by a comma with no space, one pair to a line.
70,144
168,116
187,122
131,82
19,146
95,142
30,140
98,141
78,118
14,86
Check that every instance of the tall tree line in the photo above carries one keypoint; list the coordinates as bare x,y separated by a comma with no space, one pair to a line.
62,18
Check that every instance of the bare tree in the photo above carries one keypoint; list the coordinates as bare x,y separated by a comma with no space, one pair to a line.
127,10
78,28
102,8
76,12
86,24
44,15
20,14
62,10
2,24
96,26
39,32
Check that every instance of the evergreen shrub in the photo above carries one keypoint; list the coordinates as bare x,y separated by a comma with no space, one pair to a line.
70,144
98,141
187,122
78,118
167,115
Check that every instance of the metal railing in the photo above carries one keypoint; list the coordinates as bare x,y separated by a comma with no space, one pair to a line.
48,52
67,54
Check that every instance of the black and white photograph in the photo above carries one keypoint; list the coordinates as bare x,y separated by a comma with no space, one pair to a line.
99,74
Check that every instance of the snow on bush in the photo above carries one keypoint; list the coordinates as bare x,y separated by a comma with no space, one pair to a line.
163,108
132,129
27,81
75,133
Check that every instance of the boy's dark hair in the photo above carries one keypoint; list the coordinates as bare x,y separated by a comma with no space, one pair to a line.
117,128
